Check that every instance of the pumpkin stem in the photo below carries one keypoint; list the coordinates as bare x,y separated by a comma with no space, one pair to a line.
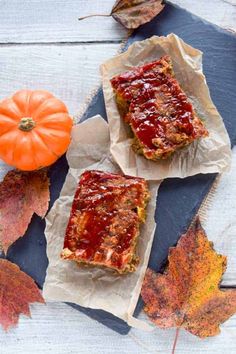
26,124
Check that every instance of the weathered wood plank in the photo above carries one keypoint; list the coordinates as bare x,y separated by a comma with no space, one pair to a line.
69,71
57,328
219,220
45,21
57,21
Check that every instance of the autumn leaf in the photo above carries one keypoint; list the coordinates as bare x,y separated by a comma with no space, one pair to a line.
17,291
187,295
21,195
133,13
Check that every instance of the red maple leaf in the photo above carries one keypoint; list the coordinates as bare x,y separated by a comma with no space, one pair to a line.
21,195
17,290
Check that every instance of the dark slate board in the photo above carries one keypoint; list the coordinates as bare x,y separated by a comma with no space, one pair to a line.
178,199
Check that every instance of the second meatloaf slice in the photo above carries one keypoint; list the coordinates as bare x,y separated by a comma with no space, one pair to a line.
104,223
159,113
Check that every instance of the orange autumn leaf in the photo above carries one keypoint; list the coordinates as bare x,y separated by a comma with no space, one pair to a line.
21,195
187,295
133,13
17,291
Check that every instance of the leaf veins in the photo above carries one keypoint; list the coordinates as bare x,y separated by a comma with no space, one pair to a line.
21,195
187,295
17,290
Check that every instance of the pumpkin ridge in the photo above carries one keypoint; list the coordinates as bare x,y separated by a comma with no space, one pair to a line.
25,110
19,145
34,153
44,142
7,132
36,108
14,149
47,95
40,114
7,124
2,152
54,116
11,119
55,133
55,130
9,108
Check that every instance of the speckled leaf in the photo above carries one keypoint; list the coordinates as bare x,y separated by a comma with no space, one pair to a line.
187,295
21,195
17,291
133,13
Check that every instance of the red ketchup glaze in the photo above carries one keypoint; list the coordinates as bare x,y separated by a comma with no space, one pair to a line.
98,199
155,101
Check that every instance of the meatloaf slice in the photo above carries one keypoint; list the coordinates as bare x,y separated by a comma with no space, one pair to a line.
106,213
158,111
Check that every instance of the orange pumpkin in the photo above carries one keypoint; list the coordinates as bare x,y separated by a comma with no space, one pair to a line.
35,129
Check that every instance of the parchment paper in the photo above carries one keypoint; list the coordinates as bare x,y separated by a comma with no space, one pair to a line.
93,287
207,155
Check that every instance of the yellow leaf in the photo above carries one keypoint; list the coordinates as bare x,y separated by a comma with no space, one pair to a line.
187,295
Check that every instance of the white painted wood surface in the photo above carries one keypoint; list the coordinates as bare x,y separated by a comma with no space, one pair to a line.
34,21
71,71
57,328
220,221
30,21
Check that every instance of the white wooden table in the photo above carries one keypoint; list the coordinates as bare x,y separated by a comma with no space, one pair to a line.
42,45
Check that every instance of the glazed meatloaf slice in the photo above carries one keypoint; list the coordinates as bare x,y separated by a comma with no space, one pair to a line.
106,213
159,113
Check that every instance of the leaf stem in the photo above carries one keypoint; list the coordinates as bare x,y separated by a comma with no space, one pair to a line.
93,15
175,341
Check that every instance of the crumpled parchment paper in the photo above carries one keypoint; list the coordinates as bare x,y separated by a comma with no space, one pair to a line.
97,288
207,155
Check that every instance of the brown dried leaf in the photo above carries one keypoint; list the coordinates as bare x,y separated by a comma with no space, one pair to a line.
133,13
17,291
21,195
187,295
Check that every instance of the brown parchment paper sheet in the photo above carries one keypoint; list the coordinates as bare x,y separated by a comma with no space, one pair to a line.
93,287
207,155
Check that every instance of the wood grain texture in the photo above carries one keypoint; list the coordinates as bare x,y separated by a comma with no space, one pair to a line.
219,221
57,328
31,21
69,71
46,21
